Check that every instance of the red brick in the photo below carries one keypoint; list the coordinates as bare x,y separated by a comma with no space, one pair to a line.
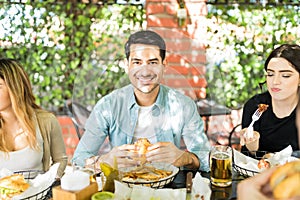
197,82
154,20
177,70
65,131
195,58
201,93
174,58
178,45
69,135
70,152
177,82
154,8
196,71
71,142
171,9
175,34
64,120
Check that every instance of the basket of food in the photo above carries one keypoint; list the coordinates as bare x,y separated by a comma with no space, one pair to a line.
154,175
250,163
41,195
16,185
244,167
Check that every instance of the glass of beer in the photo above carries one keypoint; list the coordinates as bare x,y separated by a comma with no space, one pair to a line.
220,160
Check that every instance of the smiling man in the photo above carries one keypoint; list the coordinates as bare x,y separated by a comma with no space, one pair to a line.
145,109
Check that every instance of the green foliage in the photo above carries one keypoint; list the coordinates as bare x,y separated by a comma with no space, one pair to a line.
68,46
239,41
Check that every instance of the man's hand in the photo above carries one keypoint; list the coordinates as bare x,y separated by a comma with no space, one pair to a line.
256,187
122,154
167,152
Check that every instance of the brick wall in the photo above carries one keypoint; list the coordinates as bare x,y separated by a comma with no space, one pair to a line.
69,134
186,53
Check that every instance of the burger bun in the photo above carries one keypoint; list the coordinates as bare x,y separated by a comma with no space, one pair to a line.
285,181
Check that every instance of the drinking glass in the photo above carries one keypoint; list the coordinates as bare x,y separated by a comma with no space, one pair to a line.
220,160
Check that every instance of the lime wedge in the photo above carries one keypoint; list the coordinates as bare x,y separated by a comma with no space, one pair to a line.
103,196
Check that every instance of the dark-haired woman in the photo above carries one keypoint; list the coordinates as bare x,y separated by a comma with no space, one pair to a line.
277,124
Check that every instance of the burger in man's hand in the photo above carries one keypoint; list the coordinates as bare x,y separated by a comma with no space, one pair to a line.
141,146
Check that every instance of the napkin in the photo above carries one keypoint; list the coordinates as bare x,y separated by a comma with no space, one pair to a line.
5,172
75,180
201,188
277,158
137,192
282,157
39,183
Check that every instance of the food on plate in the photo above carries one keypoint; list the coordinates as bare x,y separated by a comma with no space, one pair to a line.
268,155
147,173
262,107
263,164
12,185
285,181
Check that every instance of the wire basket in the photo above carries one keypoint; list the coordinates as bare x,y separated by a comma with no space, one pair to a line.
157,183
247,172
29,175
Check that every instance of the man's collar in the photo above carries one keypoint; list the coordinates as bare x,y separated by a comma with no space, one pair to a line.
160,100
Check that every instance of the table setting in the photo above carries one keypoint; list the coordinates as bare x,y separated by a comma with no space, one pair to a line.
156,181
39,184
182,184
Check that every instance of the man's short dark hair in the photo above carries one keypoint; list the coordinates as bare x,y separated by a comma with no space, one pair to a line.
146,37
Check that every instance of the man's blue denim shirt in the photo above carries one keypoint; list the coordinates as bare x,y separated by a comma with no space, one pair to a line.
174,115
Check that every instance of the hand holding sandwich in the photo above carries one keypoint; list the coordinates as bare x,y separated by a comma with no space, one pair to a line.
256,187
123,154
280,182
167,152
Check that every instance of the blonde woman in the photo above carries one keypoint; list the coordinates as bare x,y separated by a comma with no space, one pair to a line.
30,137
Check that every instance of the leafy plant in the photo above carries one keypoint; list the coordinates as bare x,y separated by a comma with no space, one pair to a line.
239,40
59,43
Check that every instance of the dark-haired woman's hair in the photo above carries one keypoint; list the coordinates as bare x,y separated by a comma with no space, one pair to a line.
290,52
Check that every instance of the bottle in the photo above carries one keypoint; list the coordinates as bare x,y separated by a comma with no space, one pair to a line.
181,14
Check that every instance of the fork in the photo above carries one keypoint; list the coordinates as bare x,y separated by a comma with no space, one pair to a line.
256,115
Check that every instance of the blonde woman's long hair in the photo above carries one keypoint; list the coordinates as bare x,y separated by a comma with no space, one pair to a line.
22,100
